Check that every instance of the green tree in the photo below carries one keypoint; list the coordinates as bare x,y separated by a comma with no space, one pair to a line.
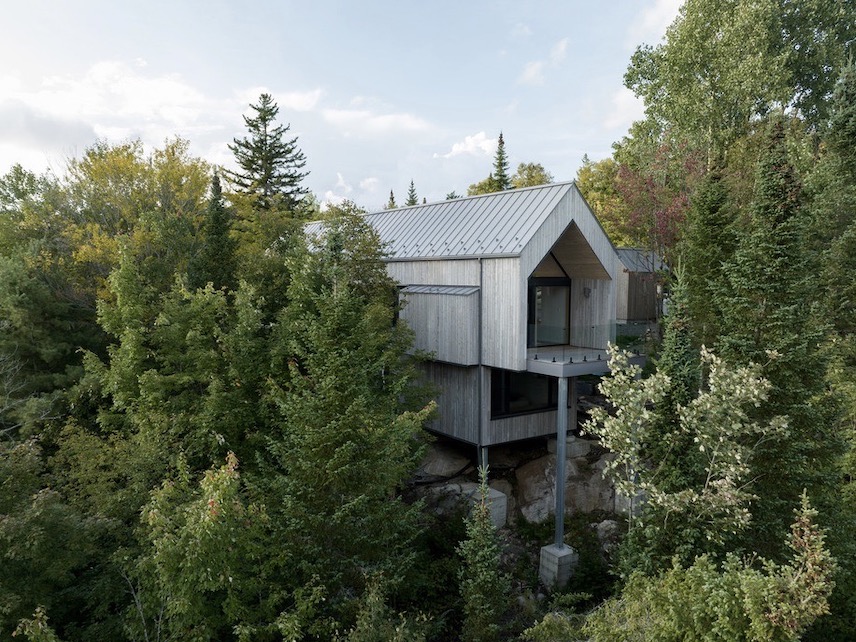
734,601
597,182
215,262
200,575
269,164
530,175
391,204
344,434
412,198
46,545
725,64
767,318
694,505
500,166
484,587
486,186
498,180
709,241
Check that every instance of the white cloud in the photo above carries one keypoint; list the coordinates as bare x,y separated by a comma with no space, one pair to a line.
558,52
58,116
369,184
330,198
475,145
341,184
533,72
651,25
521,31
299,100
625,108
365,122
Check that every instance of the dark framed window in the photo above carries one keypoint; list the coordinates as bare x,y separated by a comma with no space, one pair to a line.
548,312
519,393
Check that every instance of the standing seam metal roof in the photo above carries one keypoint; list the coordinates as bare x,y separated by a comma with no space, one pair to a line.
498,224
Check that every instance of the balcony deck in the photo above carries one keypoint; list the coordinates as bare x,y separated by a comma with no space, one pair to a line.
570,361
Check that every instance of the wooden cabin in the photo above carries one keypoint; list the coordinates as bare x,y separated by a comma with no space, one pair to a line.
638,300
513,293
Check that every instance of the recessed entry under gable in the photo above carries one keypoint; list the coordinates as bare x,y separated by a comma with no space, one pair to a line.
571,256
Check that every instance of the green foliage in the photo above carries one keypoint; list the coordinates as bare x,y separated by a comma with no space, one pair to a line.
36,629
270,165
198,577
377,623
530,175
498,180
597,183
767,317
342,441
391,204
45,544
736,601
563,621
708,242
500,166
725,64
705,506
412,198
215,262
484,587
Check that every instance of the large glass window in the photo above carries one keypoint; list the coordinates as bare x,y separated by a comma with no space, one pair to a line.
517,393
548,312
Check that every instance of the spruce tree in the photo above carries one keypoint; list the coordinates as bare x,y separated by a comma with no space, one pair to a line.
412,198
708,242
768,319
270,164
500,167
391,204
215,262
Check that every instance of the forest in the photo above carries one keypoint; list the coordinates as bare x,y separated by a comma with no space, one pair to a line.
209,420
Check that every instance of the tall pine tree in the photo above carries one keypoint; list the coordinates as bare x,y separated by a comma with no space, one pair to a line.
500,166
270,164
215,262
412,198
768,319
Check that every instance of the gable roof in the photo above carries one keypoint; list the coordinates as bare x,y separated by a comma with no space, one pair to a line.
494,225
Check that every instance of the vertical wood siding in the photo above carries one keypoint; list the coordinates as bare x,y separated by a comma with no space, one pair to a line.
504,314
438,272
537,424
445,325
457,400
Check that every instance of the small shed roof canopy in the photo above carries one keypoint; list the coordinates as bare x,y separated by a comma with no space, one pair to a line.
494,225
638,260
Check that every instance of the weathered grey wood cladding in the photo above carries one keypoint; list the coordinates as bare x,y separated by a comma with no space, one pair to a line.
444,324
435,272
503,314
508,429
457,400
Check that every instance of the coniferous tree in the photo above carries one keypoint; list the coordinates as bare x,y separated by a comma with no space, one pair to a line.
500,166
391,204
270,164
708,242
484,588
768,319
412,199
215,262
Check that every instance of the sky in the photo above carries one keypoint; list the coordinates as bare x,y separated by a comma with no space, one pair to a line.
377,92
